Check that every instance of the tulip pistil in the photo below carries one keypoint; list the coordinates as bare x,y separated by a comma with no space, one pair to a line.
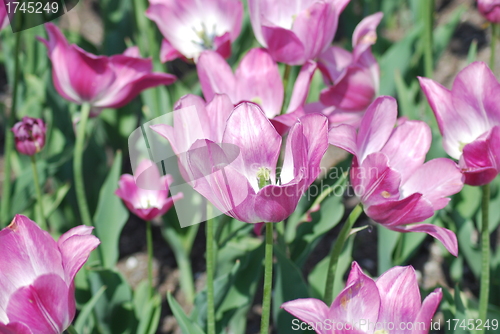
381,331
264,177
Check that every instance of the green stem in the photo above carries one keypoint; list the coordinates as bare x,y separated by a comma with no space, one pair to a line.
337,249
71,330
428,19
268,280
43,223
286,78
210,272
186,275
149,241
485,257
77,166
9,139
494,37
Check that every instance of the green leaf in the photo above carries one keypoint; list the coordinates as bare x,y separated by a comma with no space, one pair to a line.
147,310
86,312
187,325
443,34
111,215
386,243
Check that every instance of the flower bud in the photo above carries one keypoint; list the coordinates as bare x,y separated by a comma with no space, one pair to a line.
490,9
29,135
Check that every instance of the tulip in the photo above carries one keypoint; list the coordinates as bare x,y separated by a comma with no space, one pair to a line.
389,304
191,26
239,176
4,19
257,79
194,119
468,116
148,199
353,78
490,9
295,31
36,280
29,135
103,82
389,175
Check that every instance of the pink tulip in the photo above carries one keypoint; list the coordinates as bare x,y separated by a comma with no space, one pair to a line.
389,304
192,26
295,31
353,78
389,175
194,119
4,19
147,195
490,9
239,177
257,79
468,116
36,279
29,135
104,82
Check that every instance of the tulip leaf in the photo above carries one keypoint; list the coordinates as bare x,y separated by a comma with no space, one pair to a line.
24,187
386,242
111,215
443,34
289,285
222,284
86,311
147,309
187,325
469,247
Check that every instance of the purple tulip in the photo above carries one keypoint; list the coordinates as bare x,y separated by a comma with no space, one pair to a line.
389,175
239,175
468,116
29,135
192,26
490,9
104,82
257,79
353,78
295,31
4,19
37,293
389,304
147,195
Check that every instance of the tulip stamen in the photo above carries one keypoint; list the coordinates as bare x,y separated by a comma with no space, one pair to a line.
263,177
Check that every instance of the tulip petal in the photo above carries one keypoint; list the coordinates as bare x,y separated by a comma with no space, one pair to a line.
216,76
427,311
343,136
14,328
333,63
308,310
301,86
365,34
168,52
258,80
394,283
435,180
75,247
43,306
218,111
481,158
376,126
447,237
32,252
407,147
360,299
284,46
259,143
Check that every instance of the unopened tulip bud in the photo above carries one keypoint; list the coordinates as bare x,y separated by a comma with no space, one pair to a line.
29,135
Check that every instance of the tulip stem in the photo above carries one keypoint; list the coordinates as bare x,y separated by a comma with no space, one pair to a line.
43,223
337,249
9,138
71,330
149,241
485,257
494,37
427,17
77,166
268,280
210,271
286,79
